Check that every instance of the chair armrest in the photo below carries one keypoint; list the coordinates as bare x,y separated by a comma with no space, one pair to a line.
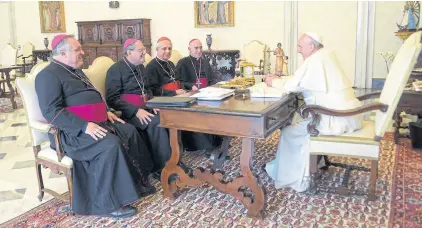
369,96
40,126
59,148
316,111
25,57
48,128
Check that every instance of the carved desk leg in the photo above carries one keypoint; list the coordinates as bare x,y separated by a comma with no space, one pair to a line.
172,169
255,205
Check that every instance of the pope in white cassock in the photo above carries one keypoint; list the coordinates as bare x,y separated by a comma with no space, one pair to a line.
322,81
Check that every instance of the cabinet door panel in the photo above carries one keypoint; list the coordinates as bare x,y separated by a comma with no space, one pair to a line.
131,30
109,34
89,34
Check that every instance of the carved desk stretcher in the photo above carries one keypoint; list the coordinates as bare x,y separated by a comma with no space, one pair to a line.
250,118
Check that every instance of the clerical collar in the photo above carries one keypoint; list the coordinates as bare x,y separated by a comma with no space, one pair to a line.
165,61
195,59
64,65
130,63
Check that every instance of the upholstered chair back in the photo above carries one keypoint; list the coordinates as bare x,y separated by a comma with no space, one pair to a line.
147,59
175,56
26,88
8,56
397,78
97,72
253,52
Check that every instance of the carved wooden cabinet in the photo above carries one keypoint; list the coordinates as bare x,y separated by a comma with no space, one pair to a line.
106,38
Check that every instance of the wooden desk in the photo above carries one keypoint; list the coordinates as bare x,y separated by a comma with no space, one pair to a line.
11,94
247,118
411,103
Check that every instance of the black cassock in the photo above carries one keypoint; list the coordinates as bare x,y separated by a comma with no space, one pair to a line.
124,85
106,172
159,74
188,70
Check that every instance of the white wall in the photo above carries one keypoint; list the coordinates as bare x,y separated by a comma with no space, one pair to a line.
253,20
335,22
4,25
387,14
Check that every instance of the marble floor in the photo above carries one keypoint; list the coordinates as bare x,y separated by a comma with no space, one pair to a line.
18,180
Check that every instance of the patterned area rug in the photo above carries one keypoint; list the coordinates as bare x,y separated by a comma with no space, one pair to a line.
406,205
206,207
6,104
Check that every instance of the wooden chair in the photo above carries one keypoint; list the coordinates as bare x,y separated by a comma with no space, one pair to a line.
39,129
364,143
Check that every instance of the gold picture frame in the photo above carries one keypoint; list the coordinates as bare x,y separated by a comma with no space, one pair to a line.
52,18
212,14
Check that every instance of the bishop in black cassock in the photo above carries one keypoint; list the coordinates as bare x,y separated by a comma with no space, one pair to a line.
192,141
127,92
109,159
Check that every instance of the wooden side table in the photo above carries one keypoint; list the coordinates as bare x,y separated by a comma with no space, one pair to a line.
11,94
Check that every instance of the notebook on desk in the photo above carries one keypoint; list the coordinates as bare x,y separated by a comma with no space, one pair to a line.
158,102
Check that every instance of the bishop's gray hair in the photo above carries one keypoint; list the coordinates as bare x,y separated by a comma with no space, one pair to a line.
63,45
131,47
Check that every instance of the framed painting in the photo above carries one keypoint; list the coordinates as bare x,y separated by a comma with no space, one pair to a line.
210,14
52,16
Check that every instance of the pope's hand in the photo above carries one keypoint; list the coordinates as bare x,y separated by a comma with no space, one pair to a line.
269,79
194,88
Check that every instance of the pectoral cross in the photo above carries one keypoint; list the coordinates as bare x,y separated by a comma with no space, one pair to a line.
198,83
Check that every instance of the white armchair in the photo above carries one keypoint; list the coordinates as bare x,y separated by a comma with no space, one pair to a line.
39,130
8,56
364,143
25,58
254,53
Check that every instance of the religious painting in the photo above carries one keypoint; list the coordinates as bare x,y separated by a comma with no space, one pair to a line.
210,14
52,16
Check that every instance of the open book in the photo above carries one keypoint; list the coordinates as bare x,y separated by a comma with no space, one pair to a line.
262,90
213,93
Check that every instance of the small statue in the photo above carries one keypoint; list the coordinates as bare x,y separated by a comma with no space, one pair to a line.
281,61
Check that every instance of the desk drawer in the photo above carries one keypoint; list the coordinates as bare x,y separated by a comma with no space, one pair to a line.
281,115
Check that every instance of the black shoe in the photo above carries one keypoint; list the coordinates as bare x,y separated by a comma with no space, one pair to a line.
146,189
124,212
157,175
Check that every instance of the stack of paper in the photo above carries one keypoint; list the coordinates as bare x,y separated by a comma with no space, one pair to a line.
262,90
213,93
